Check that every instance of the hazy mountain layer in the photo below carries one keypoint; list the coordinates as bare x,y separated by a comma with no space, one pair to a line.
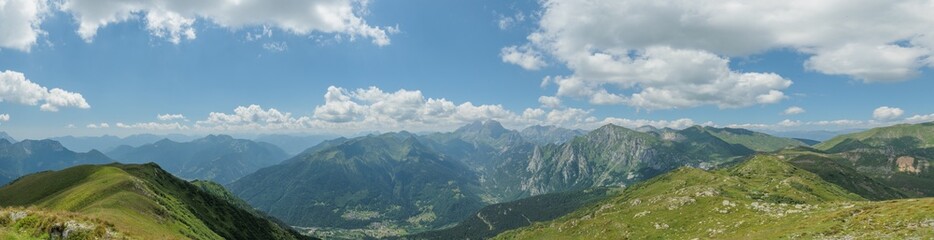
218,158
30,156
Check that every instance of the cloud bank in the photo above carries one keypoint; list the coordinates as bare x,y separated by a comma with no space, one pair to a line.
176,20
675,54
14,87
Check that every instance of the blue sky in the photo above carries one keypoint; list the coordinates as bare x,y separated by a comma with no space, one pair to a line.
452,50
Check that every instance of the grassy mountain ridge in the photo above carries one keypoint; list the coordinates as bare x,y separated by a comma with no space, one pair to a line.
924,132
22,223
141,201
762,198
833,169
901,156
496,218
753,140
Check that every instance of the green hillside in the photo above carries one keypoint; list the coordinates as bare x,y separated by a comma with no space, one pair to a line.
22,223
834,169
923,132
762,198
219,191
141,201
753,140
379,185
901,156
494,219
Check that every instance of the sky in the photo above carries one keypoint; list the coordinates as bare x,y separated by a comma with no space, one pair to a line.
89,68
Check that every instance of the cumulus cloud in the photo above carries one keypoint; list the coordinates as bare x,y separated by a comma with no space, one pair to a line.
153,126
4,117
549,101
98,126
251,118
505,22
21,20
276,46
171,117
675,54
635,123
794,110
175,20
668,78
920,118
375,107
789,124
14,87
524,56
886,113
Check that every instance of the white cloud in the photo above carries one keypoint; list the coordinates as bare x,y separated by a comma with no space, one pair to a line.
568,117
372,109
97,126
524,56
794,110
533,113
549,101
338,107
276,46
14,87
667,78
920,118
635,123
881,63
505,22
789,123
174,20
252,117
170,117
674,54
21,20
153,126
886,113
4,117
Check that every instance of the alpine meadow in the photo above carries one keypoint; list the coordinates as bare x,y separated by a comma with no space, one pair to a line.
486,119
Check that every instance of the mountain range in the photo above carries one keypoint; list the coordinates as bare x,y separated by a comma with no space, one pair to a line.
293,144
397,183
107,143
219,158
30,156
7,137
